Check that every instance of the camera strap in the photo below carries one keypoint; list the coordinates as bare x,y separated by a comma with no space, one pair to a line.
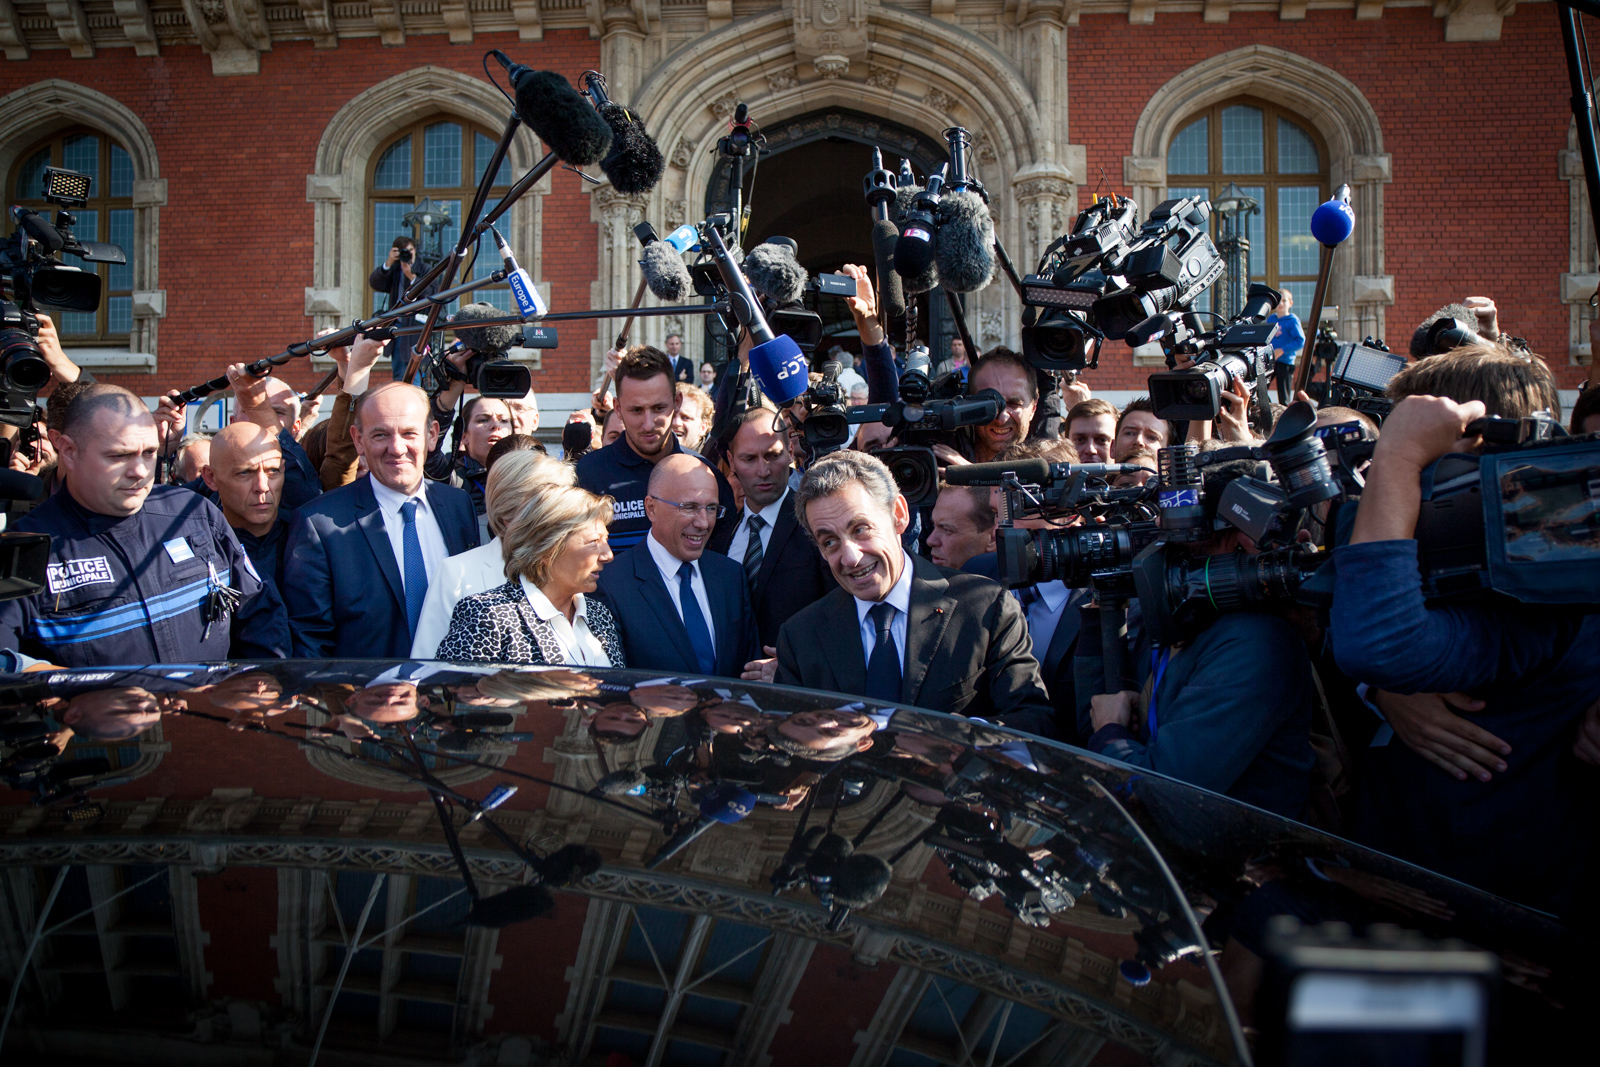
1159,658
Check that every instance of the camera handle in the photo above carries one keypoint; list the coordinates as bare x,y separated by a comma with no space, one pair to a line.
1113,644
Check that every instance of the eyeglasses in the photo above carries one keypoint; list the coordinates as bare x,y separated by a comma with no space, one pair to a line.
710,511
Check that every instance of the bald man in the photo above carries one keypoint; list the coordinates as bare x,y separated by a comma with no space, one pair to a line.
138,572
272,404
680,608
245,472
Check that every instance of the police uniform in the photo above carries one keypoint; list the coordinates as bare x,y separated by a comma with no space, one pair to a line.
143,589
621,473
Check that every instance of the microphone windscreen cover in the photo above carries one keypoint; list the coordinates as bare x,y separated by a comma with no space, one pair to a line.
902,202
781,368
562,118
485,339
1031,471
1419,338
664,273
39,228
891,297
860,880
775,274
634,163
576,439
965,250
915,262
517,904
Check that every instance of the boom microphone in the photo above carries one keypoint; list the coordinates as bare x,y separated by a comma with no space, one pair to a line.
965,250
39,228
891,295
634,163
914,251
776,362
484,339
665,273
774,273
555,112
1033,471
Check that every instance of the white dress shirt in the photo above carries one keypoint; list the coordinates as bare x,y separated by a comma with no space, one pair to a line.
669,565
578,642
741,537
900,597
1044,615
429,535
476,570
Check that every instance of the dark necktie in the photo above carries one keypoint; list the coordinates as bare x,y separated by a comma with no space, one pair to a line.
752,551
695,621
883,668
414,570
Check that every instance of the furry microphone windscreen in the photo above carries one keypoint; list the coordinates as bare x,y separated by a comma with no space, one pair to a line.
634,163
562,118
965,250
485,339
1419,338
664,273
775,274
902,202
891,298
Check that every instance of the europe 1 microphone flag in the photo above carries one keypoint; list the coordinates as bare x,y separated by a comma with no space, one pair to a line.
529,303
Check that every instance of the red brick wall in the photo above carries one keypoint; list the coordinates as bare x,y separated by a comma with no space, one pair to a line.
236,231
1477,205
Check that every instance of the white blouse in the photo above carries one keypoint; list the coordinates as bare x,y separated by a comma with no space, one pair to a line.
579,645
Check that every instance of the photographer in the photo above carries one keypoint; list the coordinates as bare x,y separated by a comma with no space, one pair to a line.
1229,710
393,278
1013,378
1528,830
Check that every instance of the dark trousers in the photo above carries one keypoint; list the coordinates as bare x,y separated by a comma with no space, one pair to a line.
1283,377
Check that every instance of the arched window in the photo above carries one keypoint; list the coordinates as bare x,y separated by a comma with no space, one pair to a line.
108,216
442,159
1276,158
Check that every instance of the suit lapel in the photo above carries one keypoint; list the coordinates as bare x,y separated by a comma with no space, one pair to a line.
782,529
925,624
449,524
723,601
1066,632
370,518
839,643
653,590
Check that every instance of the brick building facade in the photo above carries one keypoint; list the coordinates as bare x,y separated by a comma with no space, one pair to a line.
254,135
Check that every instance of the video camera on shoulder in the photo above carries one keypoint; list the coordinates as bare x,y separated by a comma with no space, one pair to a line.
1237,352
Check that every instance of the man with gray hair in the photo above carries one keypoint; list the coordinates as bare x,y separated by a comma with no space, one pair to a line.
901,630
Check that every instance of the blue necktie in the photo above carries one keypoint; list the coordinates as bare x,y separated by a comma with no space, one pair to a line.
883,668
415,572
695,622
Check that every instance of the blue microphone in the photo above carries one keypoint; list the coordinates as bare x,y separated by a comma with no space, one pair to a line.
530,305
776,361
1331,224
724,803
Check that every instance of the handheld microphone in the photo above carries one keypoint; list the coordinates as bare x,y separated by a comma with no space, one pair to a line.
776,362
634,163
557,114
880,188
725,803
487,340
576,439
38,227
617,783
665,273
914,251
685,238
965,250
529,303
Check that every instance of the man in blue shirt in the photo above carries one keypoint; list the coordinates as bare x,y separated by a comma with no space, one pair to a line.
1286,344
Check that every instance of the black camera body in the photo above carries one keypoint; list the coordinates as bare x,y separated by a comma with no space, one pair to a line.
1172,262
1237,352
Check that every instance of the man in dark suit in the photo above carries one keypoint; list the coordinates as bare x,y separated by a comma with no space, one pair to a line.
783,568
679,608
682,365
899,629
1054,618
360,557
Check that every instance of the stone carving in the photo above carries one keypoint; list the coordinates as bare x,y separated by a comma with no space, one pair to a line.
780,80
1039,187
677,212
723,105
683,153
940,101
983,149
832,67
214,11
882,77
989,327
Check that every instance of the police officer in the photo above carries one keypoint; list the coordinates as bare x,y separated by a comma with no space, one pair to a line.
139,573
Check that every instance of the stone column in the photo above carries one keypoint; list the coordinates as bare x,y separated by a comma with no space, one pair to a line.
1358,284
619,272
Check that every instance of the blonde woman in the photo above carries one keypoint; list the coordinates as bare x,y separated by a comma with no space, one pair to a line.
514,479
554,545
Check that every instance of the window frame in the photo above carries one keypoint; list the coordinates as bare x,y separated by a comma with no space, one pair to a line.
1269,181
411,195
103,205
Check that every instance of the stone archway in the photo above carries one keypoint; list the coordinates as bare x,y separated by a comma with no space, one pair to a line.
821,56
33,113
338,188
1349,126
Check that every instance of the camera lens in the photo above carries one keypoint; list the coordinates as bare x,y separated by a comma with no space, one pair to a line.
21,362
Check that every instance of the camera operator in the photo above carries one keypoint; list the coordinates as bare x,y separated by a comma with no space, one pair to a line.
1229,710
1138,427
393,277
1013,378
139,573
1521,824
900,629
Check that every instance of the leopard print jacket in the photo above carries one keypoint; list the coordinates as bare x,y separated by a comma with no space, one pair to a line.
500,626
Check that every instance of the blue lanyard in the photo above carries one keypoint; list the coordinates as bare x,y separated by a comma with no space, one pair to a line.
1159,658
